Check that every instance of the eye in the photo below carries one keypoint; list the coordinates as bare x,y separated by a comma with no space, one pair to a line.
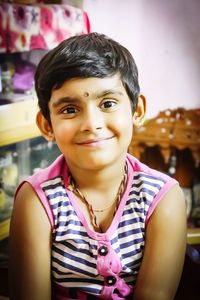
69,110
108,104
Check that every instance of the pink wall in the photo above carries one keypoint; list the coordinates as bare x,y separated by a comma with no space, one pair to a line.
164,38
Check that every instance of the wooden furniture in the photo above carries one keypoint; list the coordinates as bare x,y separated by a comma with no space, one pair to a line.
177,128
170,142
170,132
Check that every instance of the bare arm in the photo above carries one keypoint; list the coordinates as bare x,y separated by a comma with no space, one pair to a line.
164,252
30,244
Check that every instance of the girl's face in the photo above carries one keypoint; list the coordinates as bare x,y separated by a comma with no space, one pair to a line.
92,121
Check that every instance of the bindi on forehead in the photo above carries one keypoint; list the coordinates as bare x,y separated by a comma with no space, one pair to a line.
86,94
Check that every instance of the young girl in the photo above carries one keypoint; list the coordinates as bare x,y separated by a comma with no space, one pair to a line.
97,223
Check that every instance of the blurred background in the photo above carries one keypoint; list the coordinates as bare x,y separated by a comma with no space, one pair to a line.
163,37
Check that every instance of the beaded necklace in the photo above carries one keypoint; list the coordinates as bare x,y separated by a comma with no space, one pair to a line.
90,209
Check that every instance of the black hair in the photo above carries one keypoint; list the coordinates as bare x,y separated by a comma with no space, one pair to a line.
84,56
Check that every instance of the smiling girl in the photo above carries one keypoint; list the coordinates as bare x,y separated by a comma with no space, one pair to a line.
97,223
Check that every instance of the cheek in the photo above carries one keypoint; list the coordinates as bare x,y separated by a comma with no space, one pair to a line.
124,121
63,132
124,128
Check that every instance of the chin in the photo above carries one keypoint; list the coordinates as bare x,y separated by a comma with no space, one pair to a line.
96,165
99,162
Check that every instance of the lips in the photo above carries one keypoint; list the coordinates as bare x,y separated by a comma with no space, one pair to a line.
94,142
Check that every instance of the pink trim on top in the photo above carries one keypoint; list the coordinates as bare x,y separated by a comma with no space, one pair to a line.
134,165
59,167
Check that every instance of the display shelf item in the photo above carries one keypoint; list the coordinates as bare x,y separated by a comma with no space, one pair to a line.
39,26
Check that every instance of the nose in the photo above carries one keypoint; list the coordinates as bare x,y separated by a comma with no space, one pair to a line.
92,119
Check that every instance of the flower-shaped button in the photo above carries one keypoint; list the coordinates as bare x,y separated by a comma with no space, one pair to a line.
103,251
111,280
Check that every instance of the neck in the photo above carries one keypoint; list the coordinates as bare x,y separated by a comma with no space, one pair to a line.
100,196
101,179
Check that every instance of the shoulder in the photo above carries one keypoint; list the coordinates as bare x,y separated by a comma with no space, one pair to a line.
29,216
169,217
32,190
27,205
168,222
172,206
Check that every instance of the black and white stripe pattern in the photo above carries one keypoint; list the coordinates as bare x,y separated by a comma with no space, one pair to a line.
74,252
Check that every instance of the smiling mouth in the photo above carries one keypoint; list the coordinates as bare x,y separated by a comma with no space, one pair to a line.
95,142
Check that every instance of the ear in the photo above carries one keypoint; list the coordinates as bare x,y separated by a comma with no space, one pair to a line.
139,114
44,126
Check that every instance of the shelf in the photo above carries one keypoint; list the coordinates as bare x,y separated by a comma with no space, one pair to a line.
18,134
4,229
17,121
193,236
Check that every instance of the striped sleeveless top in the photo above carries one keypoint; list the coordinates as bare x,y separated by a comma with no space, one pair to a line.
91,265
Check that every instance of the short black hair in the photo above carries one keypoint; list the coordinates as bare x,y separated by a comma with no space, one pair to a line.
84,56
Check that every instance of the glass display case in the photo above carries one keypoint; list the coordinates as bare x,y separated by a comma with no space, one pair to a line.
22,152
17,161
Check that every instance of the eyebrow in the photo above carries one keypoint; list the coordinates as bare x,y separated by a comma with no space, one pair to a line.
68,99
64,100
108,92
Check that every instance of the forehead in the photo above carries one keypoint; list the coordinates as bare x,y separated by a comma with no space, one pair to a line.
89,87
